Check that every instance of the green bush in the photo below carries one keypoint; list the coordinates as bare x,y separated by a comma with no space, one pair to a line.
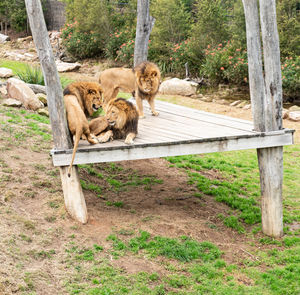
225,63
81,44
291,77
116,42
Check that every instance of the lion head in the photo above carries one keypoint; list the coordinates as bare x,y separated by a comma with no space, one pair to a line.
89,95
147,77
122,114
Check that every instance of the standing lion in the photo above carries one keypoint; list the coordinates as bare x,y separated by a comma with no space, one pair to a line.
142,81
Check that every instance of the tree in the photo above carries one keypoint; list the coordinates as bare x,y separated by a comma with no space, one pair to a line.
144,26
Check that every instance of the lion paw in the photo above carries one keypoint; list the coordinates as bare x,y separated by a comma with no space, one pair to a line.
105,137
155,113
142,117
128,141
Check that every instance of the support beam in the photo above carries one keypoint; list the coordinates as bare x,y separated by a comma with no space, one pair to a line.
73,195
266,98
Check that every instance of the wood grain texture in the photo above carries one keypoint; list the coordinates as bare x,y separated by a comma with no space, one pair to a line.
56,108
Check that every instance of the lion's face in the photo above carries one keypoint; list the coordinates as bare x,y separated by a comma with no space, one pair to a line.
148,77
115,117
147,82
93,99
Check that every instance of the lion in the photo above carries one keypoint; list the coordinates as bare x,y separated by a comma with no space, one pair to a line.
142,81
120,121
81,99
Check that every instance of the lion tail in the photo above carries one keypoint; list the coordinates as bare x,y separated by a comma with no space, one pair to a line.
77,138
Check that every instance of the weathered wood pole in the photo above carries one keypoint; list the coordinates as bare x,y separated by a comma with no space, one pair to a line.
266,99
144,26
74,199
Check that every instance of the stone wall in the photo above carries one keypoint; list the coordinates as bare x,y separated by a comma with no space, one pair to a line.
55,14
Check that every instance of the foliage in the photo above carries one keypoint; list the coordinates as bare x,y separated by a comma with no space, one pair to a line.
291,76
14,12
225,63
116,42
81,44
211,22
288,20
30,74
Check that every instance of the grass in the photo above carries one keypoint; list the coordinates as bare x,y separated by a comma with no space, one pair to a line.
236,183
30,74
171,265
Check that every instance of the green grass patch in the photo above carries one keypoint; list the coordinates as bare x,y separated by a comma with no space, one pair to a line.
236,182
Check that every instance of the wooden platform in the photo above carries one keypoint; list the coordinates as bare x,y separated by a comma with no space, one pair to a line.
177,130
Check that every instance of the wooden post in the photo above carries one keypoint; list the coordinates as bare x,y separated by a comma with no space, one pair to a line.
144,26
266,99
74,199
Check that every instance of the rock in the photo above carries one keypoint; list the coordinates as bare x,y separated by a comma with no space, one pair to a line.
4,38
294,116
11,102
285,114
176,86
6,73
42,98
294,108
242,104
37,88
247,106
67,67
43,112
235,103
19,90
3,91
25,39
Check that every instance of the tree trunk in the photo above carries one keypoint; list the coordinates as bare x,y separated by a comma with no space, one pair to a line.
266,98
74,199
144,26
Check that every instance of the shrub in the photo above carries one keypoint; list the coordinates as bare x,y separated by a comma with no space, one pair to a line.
225,63
182,53
125,52
291,77
81,44
116,42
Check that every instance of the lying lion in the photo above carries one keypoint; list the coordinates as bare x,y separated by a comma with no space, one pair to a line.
120,121
143,82
81,99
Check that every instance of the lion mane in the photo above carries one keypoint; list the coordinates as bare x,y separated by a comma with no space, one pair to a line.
81,99
142,81
119,122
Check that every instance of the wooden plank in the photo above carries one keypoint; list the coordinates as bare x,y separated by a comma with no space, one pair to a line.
186,112
145,151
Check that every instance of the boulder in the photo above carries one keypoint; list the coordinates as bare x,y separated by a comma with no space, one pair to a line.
4,38
19,90
176,86
294,108
43,112
37,88
294,116
6,73
42,98
11,102
67,67
235,103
